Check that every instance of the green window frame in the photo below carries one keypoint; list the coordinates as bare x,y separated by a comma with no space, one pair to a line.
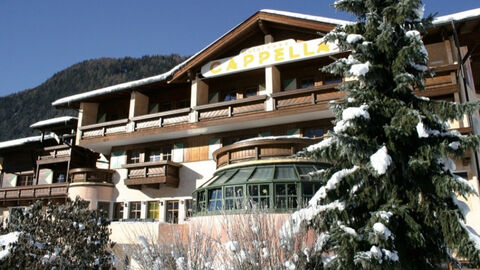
234,196
215,199
153,211
259,195
286,196
202,201
308,190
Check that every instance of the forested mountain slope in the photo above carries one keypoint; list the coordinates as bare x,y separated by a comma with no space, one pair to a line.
18,111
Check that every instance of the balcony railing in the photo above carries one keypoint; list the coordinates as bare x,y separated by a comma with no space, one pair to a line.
91,175
260,149
155,120
231,108
308,96
152,174
106,128
34,192
54,152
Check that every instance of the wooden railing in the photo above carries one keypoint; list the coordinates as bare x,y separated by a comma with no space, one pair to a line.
32,192
308,96
231,108
152,174
155,120
102,129
260,149
53,152
90,175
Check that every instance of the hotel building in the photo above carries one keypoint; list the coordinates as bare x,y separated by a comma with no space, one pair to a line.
177,146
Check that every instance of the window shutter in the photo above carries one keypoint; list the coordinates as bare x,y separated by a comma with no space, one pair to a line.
213,145
118,159
177,152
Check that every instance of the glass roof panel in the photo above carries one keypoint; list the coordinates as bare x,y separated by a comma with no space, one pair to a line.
224,177
285,172
242,175
262,173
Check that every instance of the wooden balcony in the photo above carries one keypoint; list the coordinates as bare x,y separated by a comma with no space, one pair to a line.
152,174
34,192
260,149
231,108
103,129
158,120
92,175
308,96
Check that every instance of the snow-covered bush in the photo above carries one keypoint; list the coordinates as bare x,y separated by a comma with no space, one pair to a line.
66,236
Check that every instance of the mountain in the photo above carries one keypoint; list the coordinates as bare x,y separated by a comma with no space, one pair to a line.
18,111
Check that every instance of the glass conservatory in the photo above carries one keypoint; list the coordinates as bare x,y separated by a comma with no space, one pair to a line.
277,184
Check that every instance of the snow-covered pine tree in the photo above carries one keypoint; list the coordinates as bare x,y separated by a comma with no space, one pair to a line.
69,236
389,199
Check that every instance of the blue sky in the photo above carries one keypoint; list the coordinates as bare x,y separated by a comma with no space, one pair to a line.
40,38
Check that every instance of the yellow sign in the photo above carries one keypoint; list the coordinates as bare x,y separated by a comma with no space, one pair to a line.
281,52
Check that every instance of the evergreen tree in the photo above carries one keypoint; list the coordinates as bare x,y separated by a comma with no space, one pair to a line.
66,236
389,199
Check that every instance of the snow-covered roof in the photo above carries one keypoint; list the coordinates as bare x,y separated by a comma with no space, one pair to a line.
166,75
470,14
53,121
460,16
306,17
118,87
22,141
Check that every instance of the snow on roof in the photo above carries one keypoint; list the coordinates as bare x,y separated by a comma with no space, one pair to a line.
52,121
306,17
117,87
166,75
162,77
22,141
460,16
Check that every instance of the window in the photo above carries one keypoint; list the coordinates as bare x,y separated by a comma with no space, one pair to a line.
152,108
259,195
304,170
172,212
135,210
286,195
58,177
230,96
250,92
285,172
105,207
308,190
233,197
25,180
307,82
212,97
313,132
162,153
117,211
262,173
215,199
289,84
242,175
134,156
201,201
185,103
153,210
189,207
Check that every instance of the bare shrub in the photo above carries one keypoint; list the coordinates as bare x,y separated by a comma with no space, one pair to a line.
257,240
175,249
